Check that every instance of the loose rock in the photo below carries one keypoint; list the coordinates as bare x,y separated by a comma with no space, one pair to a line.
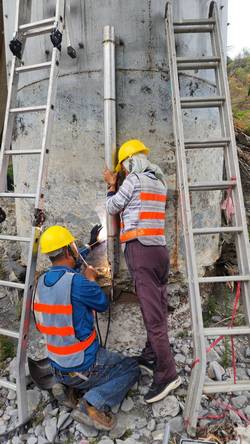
169,406
51,430
127,405
216,371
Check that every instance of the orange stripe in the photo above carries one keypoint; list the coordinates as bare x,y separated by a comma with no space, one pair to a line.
74,348
121,225
153,196
128,235
61,331
152,215
53,309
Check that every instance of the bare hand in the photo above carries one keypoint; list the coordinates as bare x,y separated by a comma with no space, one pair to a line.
110,177
90,273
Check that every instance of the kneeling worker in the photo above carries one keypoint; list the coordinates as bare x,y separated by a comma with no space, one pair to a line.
63,307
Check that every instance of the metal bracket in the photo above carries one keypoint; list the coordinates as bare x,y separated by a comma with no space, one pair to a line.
15,46
71,52
39,217
56,38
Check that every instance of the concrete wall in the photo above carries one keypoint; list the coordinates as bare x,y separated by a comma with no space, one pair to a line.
76,192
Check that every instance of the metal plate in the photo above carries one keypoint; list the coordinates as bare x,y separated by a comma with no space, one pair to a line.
190,441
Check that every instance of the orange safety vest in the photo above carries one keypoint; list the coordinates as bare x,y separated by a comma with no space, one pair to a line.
150,227
53,314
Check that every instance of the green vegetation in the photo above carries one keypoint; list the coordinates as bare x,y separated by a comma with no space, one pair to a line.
7,348
239,83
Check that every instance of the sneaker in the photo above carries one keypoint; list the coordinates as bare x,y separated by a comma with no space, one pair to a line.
89,415
159,391
146,365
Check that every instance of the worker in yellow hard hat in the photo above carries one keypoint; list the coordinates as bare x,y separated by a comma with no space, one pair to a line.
63,306
129,149
141,203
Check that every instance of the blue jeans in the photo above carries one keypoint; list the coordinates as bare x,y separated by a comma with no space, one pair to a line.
108,379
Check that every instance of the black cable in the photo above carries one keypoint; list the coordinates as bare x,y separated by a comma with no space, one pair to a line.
98,328
108,326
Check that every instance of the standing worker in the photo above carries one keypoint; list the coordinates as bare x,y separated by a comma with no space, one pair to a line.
63,308
141,202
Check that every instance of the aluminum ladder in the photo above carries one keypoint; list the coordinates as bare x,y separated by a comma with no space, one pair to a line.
25,29
216,62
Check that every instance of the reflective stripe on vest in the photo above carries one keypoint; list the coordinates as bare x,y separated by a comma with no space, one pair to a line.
151,217
133,234
53,311
153,196
74,348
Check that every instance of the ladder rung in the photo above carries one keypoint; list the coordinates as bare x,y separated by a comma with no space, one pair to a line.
38,31
7,384
28,109
202,102
38,24
14,238
214,279
224,387
197,60
217,230
197,63
211,186
28,68
234,331
18,195
197,66
189,22
12,284
192,28
21,152
11,334
197,144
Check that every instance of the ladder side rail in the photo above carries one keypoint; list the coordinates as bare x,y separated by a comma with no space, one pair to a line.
23,413
31,266
232,168
50,111
8,123
22,400
47,132
198,373
232,159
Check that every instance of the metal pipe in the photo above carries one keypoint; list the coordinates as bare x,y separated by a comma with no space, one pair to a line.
166,434
110,138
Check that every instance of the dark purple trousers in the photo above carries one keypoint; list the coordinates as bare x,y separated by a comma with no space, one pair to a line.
149,267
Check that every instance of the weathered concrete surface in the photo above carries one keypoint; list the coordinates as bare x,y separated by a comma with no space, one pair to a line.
76,192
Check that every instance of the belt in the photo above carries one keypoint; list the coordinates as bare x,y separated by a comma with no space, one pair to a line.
82,375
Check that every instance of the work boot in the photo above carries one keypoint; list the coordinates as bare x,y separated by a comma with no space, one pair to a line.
89,415
65,395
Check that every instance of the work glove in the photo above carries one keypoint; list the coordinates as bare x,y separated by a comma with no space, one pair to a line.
2,215
94,233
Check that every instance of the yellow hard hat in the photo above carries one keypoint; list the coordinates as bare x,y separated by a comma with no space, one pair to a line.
55,237
129,148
